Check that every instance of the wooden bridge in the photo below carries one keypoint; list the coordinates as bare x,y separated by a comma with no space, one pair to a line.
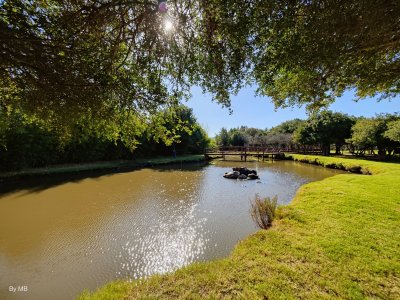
261,152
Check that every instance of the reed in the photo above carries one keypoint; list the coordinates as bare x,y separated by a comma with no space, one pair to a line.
263,211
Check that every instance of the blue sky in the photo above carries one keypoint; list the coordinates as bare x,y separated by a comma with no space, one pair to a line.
259,111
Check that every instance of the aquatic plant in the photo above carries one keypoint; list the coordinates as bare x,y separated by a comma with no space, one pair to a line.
263,211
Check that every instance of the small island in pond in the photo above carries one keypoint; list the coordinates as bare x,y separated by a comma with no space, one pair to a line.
242,173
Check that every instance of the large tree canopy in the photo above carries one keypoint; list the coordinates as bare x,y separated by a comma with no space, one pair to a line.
60,59
311,51
71,56
393,132
325,128
379,132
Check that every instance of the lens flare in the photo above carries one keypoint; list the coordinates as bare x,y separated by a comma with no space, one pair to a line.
163,7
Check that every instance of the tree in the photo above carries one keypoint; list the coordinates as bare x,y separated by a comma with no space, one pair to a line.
331,128
173,128
223,138
370,133
212,143
64,59
26,143
393,131
309,52
365,134
191,137
279,139
198,140
283,133
238,138
325,128
287,126
303,135
29,142
252,135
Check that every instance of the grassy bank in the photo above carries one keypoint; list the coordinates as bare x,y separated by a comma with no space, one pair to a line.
105,165
340,238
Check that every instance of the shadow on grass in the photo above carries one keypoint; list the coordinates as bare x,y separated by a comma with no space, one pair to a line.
33,183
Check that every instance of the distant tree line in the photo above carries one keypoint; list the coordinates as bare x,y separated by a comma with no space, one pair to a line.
28,143
327,130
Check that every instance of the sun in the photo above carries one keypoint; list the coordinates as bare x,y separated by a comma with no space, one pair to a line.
168,25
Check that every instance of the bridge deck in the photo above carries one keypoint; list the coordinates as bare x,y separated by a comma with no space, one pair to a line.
259,152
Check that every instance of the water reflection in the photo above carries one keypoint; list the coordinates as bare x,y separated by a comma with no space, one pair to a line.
172,242
81,234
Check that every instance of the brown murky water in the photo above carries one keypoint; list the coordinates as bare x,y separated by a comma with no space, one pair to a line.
61,235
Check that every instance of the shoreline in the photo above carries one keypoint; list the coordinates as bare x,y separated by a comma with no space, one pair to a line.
120,165
336,239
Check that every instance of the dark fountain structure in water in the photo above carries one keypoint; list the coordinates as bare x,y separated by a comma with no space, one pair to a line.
242,173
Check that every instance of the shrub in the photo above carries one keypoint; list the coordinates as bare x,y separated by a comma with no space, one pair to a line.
354,169
263,211
340,166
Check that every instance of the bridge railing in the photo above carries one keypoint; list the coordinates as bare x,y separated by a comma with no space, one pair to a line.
263,149
249,149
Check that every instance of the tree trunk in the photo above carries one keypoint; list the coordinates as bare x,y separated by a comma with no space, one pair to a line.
326,151
338,148
381,151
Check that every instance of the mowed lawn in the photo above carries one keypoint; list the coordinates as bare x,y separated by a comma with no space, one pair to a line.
339,238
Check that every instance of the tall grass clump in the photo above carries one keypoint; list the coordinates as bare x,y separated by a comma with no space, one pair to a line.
263,211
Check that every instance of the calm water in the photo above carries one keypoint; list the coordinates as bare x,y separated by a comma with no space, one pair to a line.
61,235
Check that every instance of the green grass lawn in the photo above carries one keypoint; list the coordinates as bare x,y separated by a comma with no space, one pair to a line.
340,238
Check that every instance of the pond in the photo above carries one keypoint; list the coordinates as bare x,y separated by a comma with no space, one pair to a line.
60,235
